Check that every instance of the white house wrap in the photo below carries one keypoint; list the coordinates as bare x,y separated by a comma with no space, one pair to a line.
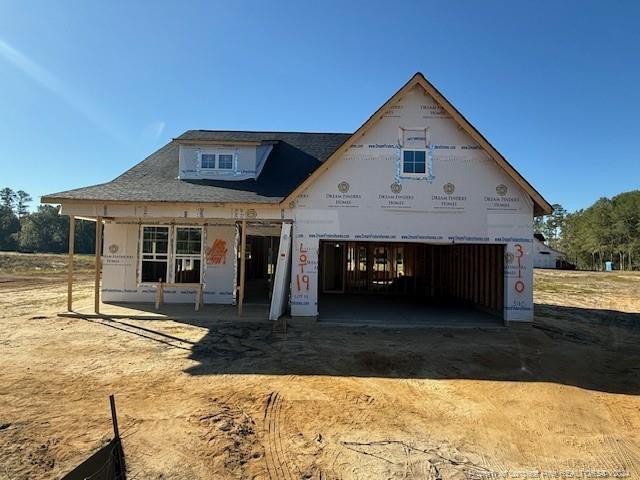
414,204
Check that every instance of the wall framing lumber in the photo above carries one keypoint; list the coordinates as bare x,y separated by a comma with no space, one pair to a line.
70,267
243,246
96,291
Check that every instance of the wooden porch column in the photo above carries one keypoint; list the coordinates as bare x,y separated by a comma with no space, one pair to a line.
96,292
72,238
243,246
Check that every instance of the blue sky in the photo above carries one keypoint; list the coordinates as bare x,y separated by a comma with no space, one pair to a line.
88,89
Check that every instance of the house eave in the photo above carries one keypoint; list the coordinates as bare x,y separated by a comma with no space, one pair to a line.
81,201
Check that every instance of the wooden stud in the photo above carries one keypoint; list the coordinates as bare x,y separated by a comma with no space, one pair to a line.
493,270
433,287
456,252
469,267
500,277
470,270
159,294
198,297
467,273
72,238
487,275
456,262
453,272
96,292
479,276
243,246
483,275
450,274
463,271
477,299
476,274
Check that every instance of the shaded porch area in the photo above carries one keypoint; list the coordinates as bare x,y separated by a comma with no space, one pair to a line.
180,312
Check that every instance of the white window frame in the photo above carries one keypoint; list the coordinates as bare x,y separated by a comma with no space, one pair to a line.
412,174
142,255
171,251
175,255
216,161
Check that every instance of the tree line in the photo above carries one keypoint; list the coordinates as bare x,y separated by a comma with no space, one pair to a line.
44,230
607,231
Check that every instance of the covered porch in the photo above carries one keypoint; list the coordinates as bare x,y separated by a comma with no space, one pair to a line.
245,305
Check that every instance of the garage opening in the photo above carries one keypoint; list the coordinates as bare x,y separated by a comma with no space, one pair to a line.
375,282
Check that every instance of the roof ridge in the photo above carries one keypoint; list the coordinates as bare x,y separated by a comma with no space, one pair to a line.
266,131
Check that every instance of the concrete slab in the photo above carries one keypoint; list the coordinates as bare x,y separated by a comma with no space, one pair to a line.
173,311
372,310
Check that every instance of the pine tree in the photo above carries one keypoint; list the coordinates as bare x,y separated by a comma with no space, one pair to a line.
23,198
7,198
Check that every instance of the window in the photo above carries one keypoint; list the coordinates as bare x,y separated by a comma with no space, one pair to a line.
208,160
225,161
414,162
155,254
188,255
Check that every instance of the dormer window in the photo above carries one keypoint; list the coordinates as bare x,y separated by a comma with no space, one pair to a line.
216,161
208,160
225,161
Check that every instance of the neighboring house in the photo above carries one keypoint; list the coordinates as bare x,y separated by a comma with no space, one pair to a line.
415,203
544,256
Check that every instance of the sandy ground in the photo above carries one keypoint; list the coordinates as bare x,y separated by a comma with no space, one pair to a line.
206,400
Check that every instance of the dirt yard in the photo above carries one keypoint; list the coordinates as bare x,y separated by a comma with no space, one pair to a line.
203,401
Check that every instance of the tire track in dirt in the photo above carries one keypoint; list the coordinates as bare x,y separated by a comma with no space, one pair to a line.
354,421
275,457
627,454
417,395
402,458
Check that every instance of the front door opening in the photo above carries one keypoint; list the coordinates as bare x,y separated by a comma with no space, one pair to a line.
260,257
333,274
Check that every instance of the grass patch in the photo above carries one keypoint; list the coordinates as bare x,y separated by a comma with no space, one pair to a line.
13,263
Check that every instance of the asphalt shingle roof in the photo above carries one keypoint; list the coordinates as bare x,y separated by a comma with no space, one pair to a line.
294,157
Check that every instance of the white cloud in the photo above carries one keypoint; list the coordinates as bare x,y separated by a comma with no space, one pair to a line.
152,132
50,82
158,128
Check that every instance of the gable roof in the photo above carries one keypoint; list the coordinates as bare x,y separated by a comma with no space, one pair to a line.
293,157
295,162
541,206
539,238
